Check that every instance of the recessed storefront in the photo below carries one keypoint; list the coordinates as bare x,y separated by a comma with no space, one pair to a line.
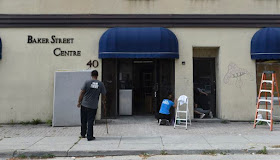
138,69
146,81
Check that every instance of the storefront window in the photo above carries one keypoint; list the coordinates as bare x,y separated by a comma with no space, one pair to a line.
125,74
268,66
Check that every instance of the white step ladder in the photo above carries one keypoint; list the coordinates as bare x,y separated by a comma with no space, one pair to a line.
181,112
264,82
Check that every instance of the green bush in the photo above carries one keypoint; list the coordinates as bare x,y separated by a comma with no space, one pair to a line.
263,151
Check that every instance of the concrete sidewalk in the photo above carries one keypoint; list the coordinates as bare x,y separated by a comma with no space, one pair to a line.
126,138
73,146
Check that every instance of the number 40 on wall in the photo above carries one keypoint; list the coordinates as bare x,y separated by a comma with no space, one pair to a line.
93,63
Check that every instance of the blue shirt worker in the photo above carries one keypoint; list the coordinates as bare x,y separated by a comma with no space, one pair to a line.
88,102
164,112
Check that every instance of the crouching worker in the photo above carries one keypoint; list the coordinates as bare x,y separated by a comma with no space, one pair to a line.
164,112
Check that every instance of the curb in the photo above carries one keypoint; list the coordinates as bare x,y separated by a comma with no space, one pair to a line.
7,153
40,153
132,152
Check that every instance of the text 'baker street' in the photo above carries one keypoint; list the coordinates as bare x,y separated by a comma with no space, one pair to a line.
53,39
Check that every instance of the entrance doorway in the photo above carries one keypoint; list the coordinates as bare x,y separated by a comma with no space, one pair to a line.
143,87
204,83
148,81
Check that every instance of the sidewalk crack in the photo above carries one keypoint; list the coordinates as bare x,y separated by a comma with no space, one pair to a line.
250,142
207,141
161,140
35,142
120,142
246,138
73,146
16,151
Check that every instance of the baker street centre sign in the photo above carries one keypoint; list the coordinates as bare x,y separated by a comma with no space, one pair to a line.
55,40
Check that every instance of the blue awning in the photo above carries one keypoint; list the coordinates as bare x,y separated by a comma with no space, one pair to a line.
0,49
265,44
142,42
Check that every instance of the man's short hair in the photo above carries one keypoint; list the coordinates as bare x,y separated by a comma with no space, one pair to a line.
94,73
169,93
169,96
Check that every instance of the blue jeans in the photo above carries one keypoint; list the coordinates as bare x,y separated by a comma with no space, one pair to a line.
200,110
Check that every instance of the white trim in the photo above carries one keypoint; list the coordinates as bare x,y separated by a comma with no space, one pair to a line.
265,53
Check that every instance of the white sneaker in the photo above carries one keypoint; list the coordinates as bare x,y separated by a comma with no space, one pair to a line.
201,116
211,115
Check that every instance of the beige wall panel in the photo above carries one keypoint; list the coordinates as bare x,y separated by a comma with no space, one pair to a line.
235,100
27,70
139,7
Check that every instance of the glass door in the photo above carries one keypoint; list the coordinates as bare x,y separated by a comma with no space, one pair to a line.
109,78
